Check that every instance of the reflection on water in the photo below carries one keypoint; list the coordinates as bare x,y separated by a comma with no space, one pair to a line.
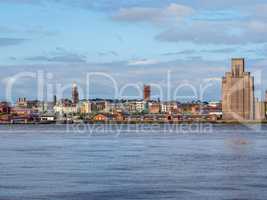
46,162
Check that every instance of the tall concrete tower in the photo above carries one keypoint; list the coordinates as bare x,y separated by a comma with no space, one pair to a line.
75,94
238,93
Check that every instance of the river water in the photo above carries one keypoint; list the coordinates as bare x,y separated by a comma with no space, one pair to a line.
97,162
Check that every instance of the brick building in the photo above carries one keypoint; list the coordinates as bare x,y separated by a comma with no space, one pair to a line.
147,92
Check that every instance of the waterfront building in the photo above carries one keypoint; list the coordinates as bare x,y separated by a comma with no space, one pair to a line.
85,107
102,117
215,109
4,108
147,92
114,107
119,116
171,107
48,107
135,106
35,105
238,93
163,107
65,106
39,106
75,94
5,118
22,112
108,106
154,108
98,106
130,107
260,110
196,109
22,103
188,108
61,109
140,106
104,106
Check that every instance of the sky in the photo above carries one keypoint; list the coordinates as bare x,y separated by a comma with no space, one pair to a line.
182,47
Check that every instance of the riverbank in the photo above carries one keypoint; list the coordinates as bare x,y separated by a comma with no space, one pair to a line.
138,122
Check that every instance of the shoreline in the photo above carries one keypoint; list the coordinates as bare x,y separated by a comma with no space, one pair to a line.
139,122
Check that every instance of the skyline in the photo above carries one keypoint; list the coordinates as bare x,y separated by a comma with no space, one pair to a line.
48,92
134,42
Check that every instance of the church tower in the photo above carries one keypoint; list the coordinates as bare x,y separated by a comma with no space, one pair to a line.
75,94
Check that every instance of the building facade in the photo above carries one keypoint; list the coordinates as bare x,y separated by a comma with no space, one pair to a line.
154,108
85,107
4,108
147,92
260,110
238,93
22,103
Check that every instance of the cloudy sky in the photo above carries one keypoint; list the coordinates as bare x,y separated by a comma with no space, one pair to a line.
133,42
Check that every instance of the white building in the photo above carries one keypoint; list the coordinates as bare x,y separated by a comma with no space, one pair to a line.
164,107
65,109
169,107
85,107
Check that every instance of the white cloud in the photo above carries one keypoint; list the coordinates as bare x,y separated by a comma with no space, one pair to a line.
244,24
142,62
173,12
257,26
260,11
217,32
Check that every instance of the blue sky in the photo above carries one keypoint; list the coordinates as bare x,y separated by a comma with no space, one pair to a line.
133,41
